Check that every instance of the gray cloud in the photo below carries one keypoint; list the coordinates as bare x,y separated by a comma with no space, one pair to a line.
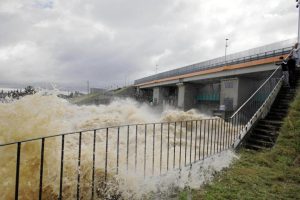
108,41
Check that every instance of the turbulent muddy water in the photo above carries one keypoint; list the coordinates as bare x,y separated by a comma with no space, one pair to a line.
159,146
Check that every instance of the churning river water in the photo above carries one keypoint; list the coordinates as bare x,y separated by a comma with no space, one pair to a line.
43,115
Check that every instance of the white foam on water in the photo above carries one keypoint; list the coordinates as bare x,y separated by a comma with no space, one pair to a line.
43,115
192,177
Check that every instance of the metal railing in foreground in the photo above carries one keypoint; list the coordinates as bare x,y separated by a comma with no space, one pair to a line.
94,157
258,105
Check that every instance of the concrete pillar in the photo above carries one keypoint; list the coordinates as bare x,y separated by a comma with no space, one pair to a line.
235,91
156,96
229,94
160,94
186,96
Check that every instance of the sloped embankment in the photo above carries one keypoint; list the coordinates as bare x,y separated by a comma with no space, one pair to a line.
270,174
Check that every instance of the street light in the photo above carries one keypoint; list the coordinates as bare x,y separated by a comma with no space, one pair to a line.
226,45
297,6
156,67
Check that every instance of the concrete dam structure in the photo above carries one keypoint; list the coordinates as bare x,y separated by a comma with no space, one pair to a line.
217,85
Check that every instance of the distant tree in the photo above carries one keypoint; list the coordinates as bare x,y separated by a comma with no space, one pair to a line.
29,90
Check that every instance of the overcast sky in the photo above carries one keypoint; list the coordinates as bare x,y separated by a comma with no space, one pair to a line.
67,42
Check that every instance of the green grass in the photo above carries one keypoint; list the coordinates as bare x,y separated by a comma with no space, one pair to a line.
84,98
91,98
272,174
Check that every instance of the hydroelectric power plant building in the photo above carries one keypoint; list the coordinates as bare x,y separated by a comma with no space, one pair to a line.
216,84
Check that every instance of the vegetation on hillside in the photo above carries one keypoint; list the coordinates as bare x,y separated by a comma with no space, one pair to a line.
271,174
103,97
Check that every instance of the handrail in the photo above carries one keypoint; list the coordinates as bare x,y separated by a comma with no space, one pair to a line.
235,113
98,129
256,92
261,111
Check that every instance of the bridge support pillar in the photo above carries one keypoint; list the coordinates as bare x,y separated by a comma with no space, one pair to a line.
159,95
186,95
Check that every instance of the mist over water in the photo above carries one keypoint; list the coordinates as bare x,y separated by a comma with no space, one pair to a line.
43,115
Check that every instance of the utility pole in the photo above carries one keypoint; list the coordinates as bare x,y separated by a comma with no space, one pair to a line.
88,87
298,6
156,67
226,45
125,80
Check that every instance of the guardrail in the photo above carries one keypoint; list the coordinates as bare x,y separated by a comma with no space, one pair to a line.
242,57
100,155
258,105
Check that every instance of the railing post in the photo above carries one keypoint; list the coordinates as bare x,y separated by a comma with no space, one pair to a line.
145,150
127,149
41,168
136,142
168,150
61,167
196,134
106,154
118,149
79,166
94,158
17,171
200,138
161,142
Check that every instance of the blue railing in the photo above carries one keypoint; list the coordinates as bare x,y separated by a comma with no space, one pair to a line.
208,97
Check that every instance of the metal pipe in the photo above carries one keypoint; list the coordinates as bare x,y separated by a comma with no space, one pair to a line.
94,158
200,138
161,142
180,145
118,149
168,150
153,149
106,154
204,139
17,171
127,150
174,146
136,142
41,169
61,166
195,154
191,142
78,166
145,150
186,131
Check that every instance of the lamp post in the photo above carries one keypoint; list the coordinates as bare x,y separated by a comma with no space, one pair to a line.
88,87
297,6
226,45
156,67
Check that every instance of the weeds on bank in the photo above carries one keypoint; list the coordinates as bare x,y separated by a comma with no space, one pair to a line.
271,174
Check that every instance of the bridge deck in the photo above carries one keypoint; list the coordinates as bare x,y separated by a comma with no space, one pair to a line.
215,70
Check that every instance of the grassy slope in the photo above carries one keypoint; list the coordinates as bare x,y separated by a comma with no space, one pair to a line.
90,98
273,174
86,97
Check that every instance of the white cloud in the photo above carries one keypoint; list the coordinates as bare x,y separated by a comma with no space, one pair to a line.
69,42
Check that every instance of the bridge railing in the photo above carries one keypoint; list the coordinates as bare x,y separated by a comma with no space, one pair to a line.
258,105
218,62
96,157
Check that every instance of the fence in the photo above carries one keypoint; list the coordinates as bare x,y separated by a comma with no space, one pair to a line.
100,154
267,51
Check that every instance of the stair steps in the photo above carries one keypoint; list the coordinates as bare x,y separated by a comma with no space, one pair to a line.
263,136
